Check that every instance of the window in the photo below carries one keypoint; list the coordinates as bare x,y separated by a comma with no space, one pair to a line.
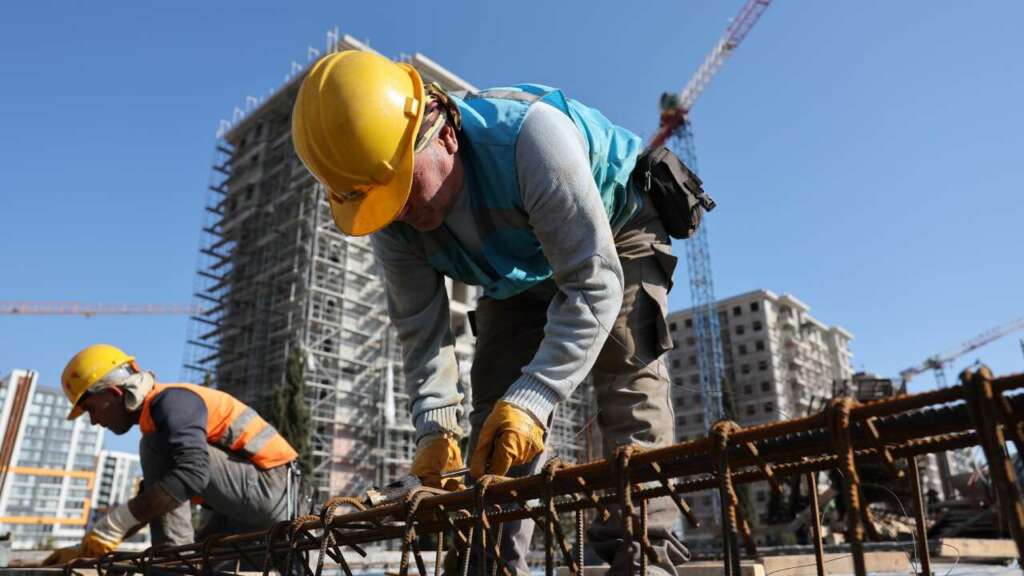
696,398
737,310
689,322
743,349
672,327
680,402
740,330
757,325
693,360
681,420
750,409
745,369
765,386
769,407
690,341
762,365
676,363
694,379
677,381
754,306
748,389
675,343
759,345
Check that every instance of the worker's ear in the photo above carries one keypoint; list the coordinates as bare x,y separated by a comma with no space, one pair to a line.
449,138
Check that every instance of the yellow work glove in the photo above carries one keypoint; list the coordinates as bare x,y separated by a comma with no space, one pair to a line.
435,455
62,556
510,437
92,546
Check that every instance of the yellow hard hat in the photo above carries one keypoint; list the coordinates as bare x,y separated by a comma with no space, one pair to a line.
354,127
87,368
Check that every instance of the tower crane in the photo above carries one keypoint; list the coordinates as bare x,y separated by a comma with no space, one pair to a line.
938,362
90,310
674,129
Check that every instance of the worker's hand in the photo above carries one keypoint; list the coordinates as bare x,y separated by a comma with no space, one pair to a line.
107,532
510,437
436,454
94,546
62,556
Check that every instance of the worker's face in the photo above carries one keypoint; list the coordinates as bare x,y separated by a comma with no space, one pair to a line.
436,183
107,409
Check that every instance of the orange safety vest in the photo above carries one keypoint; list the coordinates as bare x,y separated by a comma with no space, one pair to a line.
230,425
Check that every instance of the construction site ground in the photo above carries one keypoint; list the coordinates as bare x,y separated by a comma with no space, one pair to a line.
987,557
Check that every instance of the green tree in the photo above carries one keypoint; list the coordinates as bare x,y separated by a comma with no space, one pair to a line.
289,413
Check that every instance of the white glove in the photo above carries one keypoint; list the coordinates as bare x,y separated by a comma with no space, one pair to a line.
112,527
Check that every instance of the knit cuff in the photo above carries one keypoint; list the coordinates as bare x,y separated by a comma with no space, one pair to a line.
534,396
439,421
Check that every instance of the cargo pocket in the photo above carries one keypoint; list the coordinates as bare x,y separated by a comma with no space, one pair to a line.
657,283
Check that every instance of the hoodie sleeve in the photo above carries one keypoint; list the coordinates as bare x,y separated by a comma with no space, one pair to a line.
557,187
417,300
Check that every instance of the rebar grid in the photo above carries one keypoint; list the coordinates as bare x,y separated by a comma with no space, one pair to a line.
843,436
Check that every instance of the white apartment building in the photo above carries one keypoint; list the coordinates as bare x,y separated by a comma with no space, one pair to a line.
47,465
780,362
118,479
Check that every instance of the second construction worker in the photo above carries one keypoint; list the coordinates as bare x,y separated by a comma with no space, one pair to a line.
198,445
533,197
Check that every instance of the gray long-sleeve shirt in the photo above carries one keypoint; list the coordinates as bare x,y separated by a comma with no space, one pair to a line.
567,215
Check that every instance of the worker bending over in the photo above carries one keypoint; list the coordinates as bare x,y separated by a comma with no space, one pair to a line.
532,196
198,444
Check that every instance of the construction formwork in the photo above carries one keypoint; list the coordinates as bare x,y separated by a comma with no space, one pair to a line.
845,436
275,274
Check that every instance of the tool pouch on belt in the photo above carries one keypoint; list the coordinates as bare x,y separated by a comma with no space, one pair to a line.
677,193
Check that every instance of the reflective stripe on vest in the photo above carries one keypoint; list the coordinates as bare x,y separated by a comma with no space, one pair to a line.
230,425
513,260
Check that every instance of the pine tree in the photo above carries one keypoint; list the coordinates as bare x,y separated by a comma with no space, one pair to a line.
289,413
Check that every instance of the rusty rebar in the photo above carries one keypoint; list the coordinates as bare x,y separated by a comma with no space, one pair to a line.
905,426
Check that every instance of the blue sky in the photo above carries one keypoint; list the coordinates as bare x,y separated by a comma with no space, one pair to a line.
866,156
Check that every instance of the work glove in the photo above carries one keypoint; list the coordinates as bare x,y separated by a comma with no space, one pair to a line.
62,556
510,437
435,455
105,537
92,546
107,532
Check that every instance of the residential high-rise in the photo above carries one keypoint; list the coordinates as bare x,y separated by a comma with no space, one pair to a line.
780,362
276,276
47,465
118,479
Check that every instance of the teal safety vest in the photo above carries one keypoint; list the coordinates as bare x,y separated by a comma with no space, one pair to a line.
514,260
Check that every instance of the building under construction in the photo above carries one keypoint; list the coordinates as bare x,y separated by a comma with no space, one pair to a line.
47,465
283,290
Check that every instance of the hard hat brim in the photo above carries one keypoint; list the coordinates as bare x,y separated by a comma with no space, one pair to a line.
380,206
75,412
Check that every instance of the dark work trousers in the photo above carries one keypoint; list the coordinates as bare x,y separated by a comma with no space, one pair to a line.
239,497
630,382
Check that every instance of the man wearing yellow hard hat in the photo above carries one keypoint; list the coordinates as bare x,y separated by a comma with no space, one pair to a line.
538,199
198,444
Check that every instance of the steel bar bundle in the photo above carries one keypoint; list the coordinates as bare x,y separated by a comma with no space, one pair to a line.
845,435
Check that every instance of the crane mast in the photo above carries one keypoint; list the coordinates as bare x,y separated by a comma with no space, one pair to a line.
674,130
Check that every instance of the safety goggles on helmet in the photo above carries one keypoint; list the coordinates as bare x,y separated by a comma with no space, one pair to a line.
112,379
439,110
